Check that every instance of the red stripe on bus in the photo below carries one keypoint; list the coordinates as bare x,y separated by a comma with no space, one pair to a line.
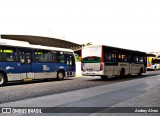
102,58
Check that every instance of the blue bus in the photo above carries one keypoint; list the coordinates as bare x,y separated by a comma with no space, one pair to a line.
20,60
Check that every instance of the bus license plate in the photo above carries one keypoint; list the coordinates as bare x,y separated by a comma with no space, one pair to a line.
90,70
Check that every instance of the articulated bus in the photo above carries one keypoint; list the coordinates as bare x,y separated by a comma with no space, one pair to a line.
23,61
105,61
153,63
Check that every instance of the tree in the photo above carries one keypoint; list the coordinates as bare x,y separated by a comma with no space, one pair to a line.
77,57
88,44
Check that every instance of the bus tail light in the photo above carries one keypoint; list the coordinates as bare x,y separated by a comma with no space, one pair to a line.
148,65
101,66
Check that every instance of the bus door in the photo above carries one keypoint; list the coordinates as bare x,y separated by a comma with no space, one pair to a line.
26,64
70,63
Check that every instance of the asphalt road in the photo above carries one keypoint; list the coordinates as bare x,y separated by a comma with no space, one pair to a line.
24,90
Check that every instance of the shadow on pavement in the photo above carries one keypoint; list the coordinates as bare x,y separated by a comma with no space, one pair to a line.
33,81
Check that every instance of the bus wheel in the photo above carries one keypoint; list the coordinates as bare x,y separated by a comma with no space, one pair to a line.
60,75
122,74
140,72
2,79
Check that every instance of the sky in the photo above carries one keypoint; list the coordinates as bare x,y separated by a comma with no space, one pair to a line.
131,24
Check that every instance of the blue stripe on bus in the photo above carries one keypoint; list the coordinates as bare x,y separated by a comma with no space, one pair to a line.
17,67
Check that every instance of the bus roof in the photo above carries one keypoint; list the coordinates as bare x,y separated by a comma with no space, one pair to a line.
16,43
116,48
153,57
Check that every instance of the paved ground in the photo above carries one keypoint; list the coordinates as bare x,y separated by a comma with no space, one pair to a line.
20,91
139,92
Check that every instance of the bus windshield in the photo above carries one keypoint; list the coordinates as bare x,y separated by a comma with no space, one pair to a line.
154,61
91,54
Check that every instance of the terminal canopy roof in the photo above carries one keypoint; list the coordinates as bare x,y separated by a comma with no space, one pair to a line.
45,41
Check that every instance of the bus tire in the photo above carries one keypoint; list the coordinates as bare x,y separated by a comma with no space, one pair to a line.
122,74
140,72
60,75
2,79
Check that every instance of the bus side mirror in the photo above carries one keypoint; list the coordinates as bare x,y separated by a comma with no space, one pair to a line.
22,61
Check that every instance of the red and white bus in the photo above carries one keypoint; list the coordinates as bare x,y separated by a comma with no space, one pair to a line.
106,61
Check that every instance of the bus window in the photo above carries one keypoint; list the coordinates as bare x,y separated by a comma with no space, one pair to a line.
119,57
9,55
43,56
68,59
36,55
54,56
47,56
154,61
135,59
114,57
60,57
124,58
108,57
140,59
